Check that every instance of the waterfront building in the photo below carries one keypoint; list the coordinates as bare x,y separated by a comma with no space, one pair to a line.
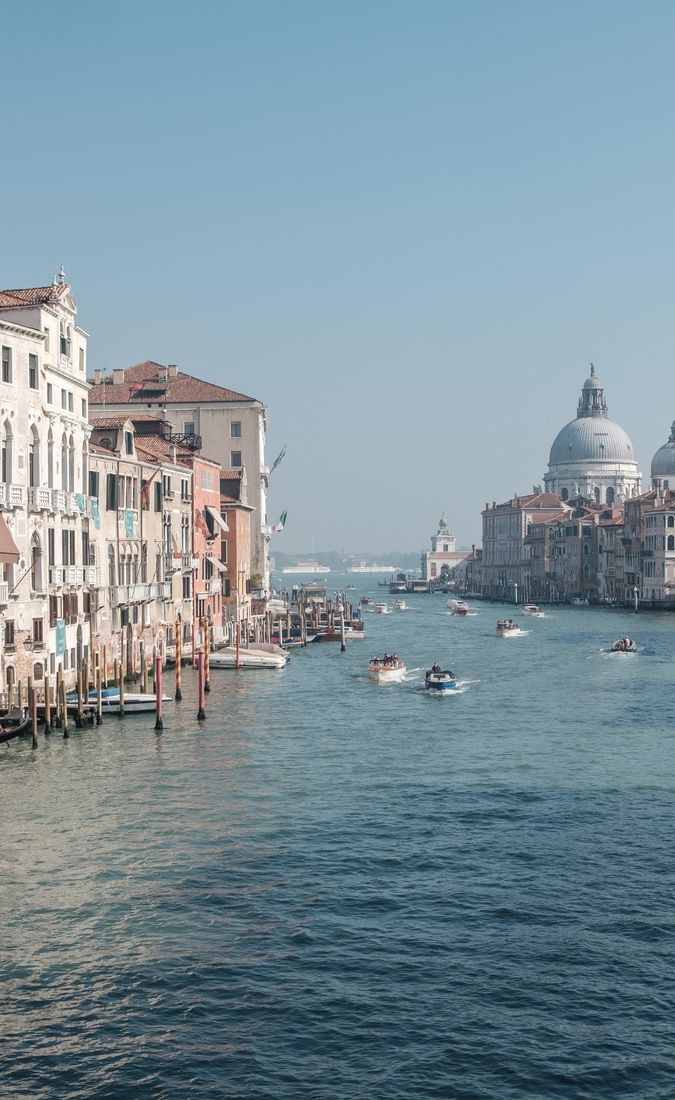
506,561
208,527
46,578
229,426
235,553
649,549
441,560
592,456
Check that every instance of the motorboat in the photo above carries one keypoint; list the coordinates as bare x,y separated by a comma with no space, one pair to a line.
400,605
14,724
262,655
440,681
506,628
458,607
366,599
355,631
624,645
533,609
579,601
387,669
382,608
135,702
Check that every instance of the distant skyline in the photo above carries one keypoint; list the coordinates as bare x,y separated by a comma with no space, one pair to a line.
408,229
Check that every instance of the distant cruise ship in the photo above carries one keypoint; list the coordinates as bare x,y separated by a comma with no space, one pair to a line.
306,567
364,567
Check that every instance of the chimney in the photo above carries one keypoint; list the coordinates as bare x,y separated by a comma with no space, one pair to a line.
494,504
98,375
162,374
118,376
172,370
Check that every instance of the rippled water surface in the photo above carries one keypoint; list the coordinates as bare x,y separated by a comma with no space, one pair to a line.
339,889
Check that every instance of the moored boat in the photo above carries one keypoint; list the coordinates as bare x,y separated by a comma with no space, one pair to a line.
135,702
440,681
259,656
387,669
624,645
506,628
14,724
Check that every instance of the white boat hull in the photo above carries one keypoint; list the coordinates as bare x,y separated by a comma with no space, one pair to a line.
387,675
248,658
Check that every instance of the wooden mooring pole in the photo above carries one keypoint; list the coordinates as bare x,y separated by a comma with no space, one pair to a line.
179,663
201,713
159,720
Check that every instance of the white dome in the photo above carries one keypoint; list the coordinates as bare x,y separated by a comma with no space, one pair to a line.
592,439
663,462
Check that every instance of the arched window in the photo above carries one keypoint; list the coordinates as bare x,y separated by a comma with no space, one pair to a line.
7,452
144,563
587,549
34,457
111,565
587,571
671,521
38,671
596,494
609,496
64,461
71,464
564,494
50,460
671,542
36,573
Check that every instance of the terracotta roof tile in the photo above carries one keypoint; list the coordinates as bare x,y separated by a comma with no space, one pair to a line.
141,383
31,296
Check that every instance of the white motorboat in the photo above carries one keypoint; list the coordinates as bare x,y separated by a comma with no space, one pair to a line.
579,601
506,628
382,608
458,607
262,655
400,605
386,670
624,645
135,702
533,609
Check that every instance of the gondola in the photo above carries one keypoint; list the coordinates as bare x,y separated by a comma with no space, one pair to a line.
13,725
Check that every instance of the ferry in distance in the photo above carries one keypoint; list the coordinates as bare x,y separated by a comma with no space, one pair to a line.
306,567
366,567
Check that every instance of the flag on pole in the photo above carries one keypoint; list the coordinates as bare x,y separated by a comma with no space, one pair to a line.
279,525
279,459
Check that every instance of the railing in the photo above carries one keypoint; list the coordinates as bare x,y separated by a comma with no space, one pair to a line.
180,439
40,499
166,590
15,496
214,587
4,592
56,574
73,574
92,575
60,500
66,363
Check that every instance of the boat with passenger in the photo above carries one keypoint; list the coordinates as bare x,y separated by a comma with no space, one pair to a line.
440,681
400,605
382,608
506,628
533,609
459,607
387,669
624,645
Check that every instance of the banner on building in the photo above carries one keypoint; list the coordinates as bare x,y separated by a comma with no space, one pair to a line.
60,637
129,523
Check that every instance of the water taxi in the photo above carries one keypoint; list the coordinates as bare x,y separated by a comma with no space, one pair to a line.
624,645
458,607
440,681
533,609
382,608
400,605
387,669
506,628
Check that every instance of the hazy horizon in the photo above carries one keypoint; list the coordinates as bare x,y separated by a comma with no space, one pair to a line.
407,229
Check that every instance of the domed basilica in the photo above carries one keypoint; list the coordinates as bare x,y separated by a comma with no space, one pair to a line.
663,464
592,456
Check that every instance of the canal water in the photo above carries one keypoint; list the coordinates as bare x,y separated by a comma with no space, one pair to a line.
337,889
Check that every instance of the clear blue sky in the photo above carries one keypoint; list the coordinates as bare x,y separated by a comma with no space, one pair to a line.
407,228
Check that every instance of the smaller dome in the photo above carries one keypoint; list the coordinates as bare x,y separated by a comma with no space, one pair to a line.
663,462
592,383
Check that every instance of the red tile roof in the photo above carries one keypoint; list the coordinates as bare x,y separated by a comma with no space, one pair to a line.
141,383
31,296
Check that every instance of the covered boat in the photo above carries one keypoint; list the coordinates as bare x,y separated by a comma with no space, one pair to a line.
387,669
135,702
261,655
441,681
382,608
459,607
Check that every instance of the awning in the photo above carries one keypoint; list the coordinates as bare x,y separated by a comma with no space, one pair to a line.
216,564
218,519
9,551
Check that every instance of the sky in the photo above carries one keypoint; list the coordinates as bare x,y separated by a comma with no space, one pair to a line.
407,228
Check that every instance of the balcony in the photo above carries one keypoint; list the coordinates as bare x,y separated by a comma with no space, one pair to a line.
166,590
91,575
11,496
56,574
214,587
73,574
39,500
4,592
59,500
